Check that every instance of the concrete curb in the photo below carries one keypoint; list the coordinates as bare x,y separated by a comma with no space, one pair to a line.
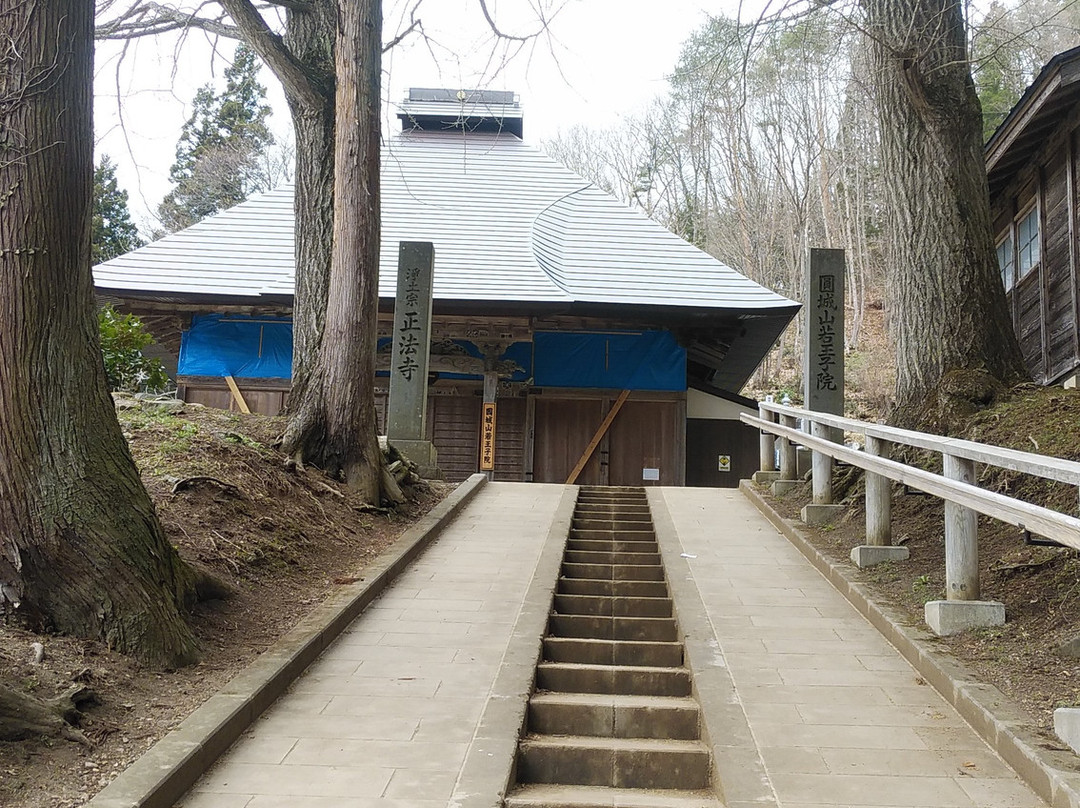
165,772
1051,773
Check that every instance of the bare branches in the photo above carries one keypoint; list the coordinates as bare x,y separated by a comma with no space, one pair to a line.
151,19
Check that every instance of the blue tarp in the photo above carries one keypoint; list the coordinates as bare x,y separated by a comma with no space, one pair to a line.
646,360
237,345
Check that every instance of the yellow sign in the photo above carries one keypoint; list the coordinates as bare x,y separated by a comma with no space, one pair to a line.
487,437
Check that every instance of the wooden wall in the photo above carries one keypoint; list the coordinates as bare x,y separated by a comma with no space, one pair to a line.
1044,303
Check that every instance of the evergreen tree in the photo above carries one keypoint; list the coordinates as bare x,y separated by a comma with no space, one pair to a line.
220,150
112,231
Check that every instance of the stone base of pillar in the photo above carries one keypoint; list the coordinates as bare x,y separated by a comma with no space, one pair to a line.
765,477
1067,726
423,454
867,555
781,487
947,617
820,514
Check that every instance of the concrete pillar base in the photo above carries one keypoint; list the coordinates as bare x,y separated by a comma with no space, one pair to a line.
803,458
945,617
1067,726
781,487
765,477
423,454
820,514
867,555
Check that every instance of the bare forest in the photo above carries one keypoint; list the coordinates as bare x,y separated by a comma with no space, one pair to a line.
769,143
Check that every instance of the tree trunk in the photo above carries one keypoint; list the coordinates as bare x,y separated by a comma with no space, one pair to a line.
333,423
954,342
81,548
310,38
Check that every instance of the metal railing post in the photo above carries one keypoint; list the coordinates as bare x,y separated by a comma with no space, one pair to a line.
878,498
961,537
767,446
821,467
788,459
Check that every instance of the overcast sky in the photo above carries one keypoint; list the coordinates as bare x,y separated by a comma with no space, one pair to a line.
603,59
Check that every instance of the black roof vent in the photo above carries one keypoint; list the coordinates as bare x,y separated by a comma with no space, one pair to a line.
443,110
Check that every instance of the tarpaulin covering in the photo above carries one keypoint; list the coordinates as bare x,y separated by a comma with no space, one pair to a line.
644,360
237,345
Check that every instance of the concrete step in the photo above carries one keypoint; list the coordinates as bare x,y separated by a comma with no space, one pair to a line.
611,524
545,795
628,680
625,505
611,557
614,572
603,605
640,534
647,629
612,588
614,716
613,545
614,762
613,652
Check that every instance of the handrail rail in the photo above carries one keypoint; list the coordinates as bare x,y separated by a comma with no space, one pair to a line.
1052,468
956,485
1043,521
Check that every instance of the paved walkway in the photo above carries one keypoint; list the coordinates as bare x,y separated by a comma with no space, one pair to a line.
838,716
386,718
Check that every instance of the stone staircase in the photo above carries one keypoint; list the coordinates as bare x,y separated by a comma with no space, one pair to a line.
612,721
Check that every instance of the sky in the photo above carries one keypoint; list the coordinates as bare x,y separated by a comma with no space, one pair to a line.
602,60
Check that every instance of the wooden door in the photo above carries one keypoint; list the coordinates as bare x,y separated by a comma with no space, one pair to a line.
643,442
563,428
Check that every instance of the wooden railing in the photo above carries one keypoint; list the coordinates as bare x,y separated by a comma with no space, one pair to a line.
964,500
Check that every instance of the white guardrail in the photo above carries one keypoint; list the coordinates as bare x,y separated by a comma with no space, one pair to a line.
964,500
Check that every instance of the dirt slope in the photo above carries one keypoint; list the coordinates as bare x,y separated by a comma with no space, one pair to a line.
281,537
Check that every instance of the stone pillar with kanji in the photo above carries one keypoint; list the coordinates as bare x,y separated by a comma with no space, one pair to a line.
406,418
823,358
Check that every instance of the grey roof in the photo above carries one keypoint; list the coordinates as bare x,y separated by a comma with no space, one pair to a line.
508,224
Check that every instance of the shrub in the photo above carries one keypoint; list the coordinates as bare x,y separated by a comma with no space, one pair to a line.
123,336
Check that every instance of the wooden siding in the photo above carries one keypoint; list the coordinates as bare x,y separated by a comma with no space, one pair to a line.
454,428
1057,272
511,432
707,439
1044,304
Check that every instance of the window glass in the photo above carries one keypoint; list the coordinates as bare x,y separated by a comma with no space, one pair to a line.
1027,242
1006,260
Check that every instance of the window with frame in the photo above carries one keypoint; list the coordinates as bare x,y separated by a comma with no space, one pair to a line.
1027,242
1006,260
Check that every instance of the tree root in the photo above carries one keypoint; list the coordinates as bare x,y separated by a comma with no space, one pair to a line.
25,716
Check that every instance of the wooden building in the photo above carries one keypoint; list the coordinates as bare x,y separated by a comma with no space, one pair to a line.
575,299
1033,165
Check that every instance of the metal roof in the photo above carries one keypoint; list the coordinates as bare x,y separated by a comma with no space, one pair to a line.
1041,110
508,223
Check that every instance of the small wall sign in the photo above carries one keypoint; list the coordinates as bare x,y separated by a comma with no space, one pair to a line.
723,463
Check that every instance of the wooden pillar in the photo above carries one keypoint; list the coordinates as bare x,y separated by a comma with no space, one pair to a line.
821,466
789,469
767,450
961,537
878,498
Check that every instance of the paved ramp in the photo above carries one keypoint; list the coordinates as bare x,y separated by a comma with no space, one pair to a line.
414,706
837,717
